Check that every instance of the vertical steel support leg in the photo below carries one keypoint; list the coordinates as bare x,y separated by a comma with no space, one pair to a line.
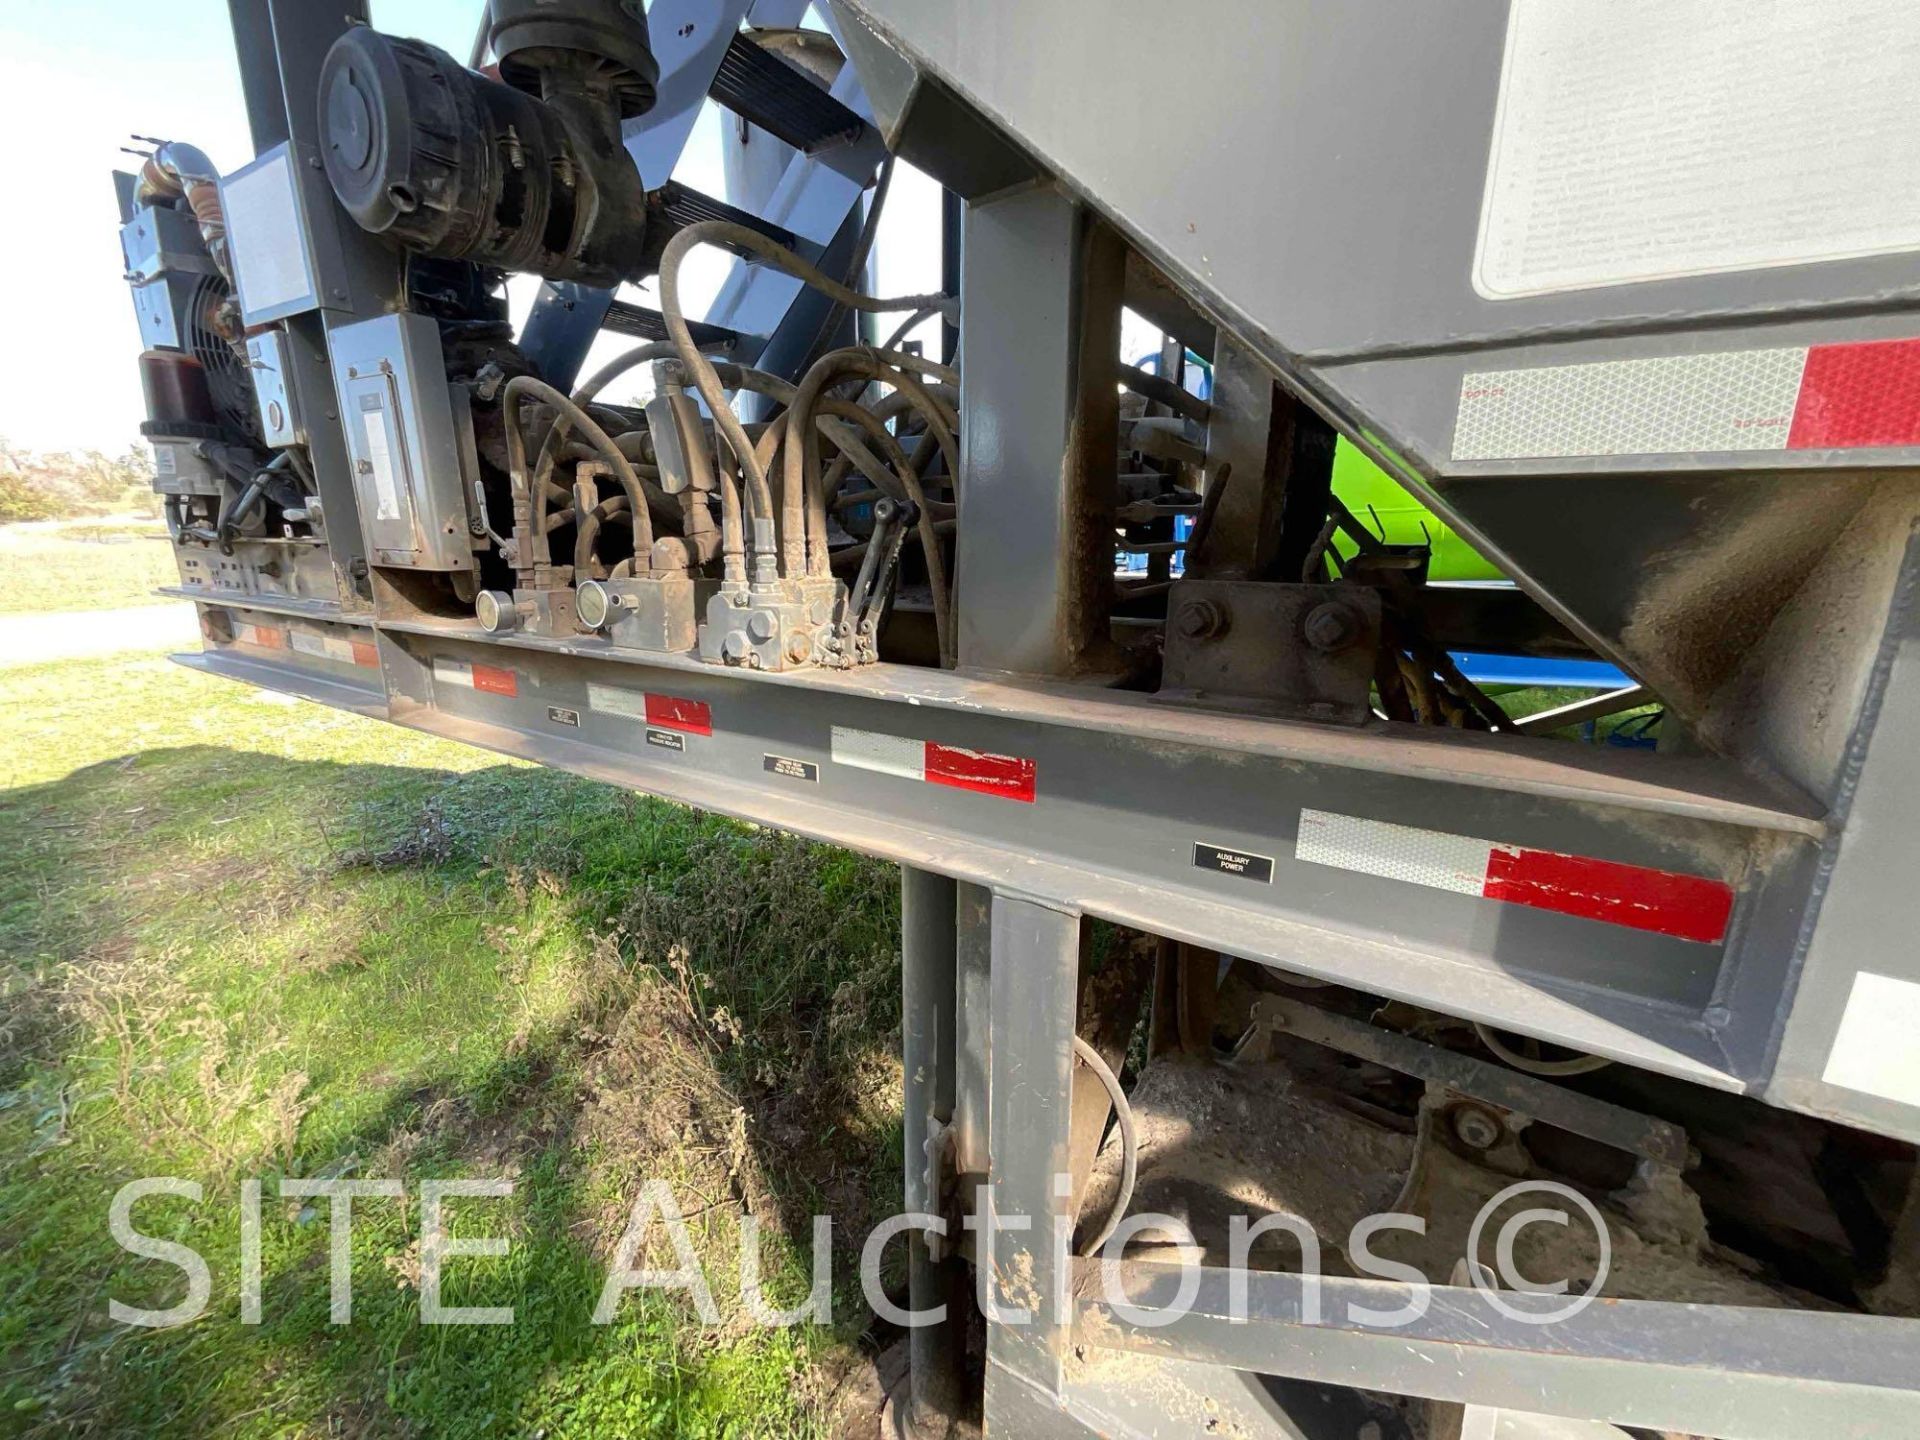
1039,407
973,1027
282,45
1023,1267
927,944
1281,458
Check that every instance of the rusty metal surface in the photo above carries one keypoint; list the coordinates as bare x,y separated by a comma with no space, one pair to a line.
1301,650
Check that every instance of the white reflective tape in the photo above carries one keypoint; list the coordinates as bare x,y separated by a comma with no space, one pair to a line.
1665,405
1394,852
888,754
1875,1052
612,700
453,672
330,647
267,637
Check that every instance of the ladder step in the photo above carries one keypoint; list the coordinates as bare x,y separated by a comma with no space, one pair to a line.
675,206
781,100
641,323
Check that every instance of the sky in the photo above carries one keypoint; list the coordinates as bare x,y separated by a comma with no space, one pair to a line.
78,78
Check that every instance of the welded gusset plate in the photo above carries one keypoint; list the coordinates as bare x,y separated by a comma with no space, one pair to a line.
1303,650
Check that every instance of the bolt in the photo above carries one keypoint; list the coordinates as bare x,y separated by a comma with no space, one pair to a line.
1202,620
1331,628
762,624
737,645
798,647
1475,1129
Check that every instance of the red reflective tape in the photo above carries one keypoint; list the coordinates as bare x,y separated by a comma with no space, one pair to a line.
1688,907
366,655
670,712
269,639
495,681
1853,396
1005,775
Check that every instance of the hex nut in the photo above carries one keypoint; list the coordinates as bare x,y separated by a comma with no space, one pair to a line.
1332,627
1202,620
1475,1128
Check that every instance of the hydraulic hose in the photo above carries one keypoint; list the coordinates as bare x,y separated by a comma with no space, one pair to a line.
908,475
803,506
706,382
590,430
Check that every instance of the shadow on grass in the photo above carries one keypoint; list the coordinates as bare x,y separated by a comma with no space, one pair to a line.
218,965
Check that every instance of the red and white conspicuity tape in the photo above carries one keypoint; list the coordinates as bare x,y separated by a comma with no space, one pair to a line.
1688,907
1008,776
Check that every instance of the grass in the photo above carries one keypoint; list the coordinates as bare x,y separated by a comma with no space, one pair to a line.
83,565
244,936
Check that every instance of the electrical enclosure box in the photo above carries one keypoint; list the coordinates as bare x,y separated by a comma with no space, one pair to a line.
166,267
267,230
281,424
397,412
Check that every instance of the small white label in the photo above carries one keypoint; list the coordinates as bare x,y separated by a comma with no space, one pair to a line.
1663,138
1875,1052
373,419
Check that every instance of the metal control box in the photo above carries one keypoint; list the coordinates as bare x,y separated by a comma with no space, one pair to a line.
268,229
397,413
166,267
281,422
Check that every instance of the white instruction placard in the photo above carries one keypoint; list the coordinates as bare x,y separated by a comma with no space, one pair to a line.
373,419
1650,139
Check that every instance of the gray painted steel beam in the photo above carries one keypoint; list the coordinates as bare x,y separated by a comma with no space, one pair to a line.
1043,297
972,1027
1740,1374
1036,962
928,911
1123,793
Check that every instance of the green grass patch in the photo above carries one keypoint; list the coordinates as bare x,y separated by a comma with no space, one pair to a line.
88,565
247,937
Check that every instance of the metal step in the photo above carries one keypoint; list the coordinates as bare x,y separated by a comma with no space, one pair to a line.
781,100
641,323
675,206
